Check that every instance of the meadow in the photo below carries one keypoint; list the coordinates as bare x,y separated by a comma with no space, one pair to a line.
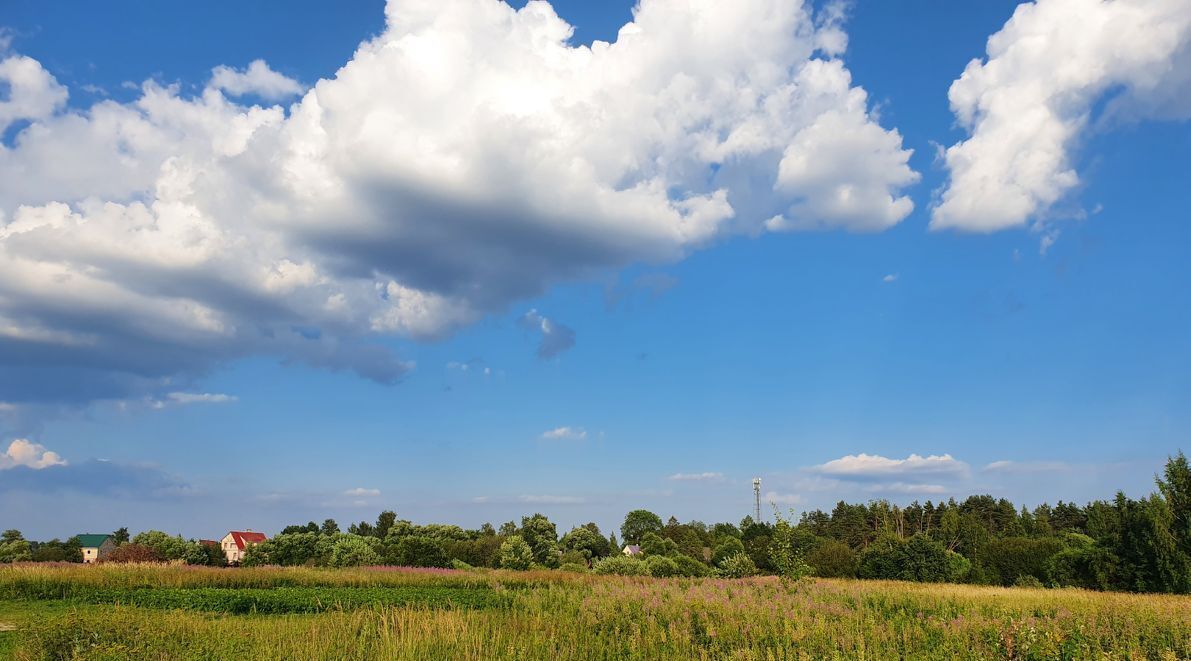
178,612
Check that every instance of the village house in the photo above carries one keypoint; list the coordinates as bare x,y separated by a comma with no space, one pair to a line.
632,550
236,542
96,547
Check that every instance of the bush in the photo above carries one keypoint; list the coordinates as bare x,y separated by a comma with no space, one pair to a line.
515,554
1083,565
417,551
726,548
786,551
461,566
958,567
688,566
654,544
1012,557
834,559
917,559
132,552
621,565
167,546
352,551
573,567
739,565
660,566
1027,581
481,552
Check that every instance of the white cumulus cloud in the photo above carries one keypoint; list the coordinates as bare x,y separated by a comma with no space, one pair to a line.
867,466
257,79
32,92
22,452
1026,105
467,157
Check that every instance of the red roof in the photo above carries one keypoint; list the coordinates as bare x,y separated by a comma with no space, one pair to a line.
244,538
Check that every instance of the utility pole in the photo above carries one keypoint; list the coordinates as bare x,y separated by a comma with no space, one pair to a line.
757,499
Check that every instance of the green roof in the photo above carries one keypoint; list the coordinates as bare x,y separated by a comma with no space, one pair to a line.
92,541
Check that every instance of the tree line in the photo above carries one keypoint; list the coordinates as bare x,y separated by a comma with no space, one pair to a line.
1119,544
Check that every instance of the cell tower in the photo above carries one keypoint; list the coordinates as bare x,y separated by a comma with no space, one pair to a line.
757,499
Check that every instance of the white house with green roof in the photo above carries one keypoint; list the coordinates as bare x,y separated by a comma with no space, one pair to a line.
96,547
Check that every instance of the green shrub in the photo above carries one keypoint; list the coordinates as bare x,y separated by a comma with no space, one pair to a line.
726,548
660,566
621,565
739,565
1027,581
958,567
688,566
916,559
573,567
834,559
353,551
418,551
515,554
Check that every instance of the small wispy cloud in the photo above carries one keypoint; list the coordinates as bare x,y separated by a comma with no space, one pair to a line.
892,277
475,366
1020,467
565,434
361,492
905,488
556,337
183,398
696,477
1049,237
782,498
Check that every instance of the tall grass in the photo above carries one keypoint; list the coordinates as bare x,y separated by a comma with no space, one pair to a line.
549,615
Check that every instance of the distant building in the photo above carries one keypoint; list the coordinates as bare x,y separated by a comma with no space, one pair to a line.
237,541
96,547
632,550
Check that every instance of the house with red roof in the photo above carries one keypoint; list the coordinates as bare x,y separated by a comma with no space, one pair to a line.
236,542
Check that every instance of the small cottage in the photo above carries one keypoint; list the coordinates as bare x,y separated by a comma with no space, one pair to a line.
236,542
96,547
632,550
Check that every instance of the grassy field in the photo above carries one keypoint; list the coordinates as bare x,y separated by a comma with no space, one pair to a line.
156,612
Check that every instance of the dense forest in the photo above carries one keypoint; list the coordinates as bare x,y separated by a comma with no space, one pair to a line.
1122,544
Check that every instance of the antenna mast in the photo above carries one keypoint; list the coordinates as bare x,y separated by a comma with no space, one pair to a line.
757,498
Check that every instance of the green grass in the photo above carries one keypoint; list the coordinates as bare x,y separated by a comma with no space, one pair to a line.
178,613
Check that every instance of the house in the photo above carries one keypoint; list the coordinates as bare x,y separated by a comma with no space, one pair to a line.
96,547
237,541
632,550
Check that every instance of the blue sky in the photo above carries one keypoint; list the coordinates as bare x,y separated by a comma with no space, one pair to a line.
953,349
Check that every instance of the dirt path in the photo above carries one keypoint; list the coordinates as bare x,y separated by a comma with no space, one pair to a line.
5,626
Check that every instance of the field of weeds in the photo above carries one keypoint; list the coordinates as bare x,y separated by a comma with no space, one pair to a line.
173,612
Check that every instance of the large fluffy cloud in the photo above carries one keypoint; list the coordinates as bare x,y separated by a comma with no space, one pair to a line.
872,466
22,452
1047,70
467,157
